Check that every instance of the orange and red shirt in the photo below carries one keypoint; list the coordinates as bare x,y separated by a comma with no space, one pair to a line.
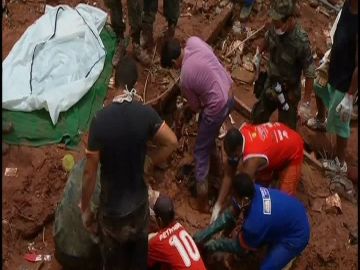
174,247
277,143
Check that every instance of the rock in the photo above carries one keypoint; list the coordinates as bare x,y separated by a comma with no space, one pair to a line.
333,204
313,3
223,3
243,75
317,205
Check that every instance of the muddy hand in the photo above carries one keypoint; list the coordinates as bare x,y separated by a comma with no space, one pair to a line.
89,222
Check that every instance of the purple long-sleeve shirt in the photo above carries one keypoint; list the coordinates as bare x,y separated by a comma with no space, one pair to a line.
204,81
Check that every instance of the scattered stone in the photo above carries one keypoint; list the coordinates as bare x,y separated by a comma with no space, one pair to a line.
317,205
333,204
224,3
243,75
313,3
218,10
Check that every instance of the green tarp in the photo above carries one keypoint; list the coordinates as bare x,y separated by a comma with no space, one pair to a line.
36,129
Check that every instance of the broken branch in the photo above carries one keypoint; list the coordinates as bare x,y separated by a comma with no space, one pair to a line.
246,39
149,72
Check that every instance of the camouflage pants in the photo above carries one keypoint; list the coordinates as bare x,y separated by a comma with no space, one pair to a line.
264,107
124,241
134,15
171,11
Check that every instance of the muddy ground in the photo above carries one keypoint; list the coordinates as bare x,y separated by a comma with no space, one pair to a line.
30,198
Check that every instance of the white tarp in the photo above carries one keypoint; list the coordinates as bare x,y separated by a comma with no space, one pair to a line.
56,61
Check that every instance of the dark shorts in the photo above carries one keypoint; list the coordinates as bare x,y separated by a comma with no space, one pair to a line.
124,240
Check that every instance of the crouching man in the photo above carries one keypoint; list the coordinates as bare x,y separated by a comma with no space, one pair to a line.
270,217
171,247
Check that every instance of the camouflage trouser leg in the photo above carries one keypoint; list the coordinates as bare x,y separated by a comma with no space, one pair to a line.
135,17
116,17
171,12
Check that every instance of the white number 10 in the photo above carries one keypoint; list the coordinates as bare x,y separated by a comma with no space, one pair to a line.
186,247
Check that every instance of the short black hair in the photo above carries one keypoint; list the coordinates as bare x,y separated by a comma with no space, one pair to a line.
170,51
164,209
126,72
232,140
244,186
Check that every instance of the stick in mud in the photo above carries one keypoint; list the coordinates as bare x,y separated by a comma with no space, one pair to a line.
147,77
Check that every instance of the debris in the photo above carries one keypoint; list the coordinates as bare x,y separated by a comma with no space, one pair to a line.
147,77
353,235
317,205
68,162
218,10
231,119
343,186
326,3
246,39
187,14
236,45
333,204
222,132
320,9
247,63
223,3
33,257
243,75
313,3
11,172
237,29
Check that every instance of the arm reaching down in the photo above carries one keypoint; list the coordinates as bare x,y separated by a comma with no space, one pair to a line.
224,191
166,142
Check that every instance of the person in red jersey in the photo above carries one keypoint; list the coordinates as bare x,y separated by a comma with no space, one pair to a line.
263,150
171,247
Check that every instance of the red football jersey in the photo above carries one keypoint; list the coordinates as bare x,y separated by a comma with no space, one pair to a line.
174,247
277,143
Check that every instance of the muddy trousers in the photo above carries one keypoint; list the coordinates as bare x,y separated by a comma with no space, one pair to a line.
289,177
171,12
134,14
124,241
205,141
264,108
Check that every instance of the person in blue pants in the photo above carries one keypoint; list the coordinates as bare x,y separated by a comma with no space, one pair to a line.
270,217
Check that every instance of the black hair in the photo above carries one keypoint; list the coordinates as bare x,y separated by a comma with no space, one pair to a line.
164,209
170,51
126,72
232,140
244,186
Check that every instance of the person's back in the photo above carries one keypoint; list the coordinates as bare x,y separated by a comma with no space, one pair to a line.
275,142
123,131
204,75
275,217
172,246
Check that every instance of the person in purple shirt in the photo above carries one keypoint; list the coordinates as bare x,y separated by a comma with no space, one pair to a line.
270,218
206,84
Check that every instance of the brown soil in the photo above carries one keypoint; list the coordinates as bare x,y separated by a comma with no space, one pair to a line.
30,198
